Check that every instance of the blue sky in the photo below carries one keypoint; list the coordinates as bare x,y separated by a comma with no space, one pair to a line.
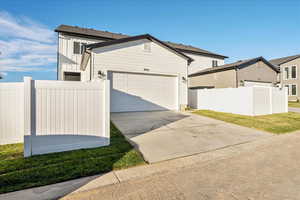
235,28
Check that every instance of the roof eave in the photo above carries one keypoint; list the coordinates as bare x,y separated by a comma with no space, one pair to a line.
202,53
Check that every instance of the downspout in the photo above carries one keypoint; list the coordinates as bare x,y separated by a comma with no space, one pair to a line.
57,58
91,66
236,78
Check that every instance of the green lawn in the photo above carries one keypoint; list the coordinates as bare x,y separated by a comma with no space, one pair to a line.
275,123
18,173
294,104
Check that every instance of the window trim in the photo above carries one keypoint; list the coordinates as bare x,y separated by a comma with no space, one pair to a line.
291,94
288,88
71,73
286,74
289,72
81,45
79,48
292,72
214,63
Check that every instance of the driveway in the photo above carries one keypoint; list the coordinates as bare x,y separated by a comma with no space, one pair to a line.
165,135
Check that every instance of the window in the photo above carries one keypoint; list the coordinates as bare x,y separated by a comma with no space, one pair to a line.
72,76
294,90
287,86
294,72
78,48
214,63
82,47
286,73
147,47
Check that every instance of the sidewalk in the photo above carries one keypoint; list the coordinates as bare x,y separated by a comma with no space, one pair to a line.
292,109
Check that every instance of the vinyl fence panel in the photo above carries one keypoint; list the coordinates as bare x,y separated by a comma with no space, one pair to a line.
279,100
69,115
11,113
54,116
251,101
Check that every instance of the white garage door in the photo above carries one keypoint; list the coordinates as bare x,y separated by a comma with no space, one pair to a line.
142,92
254,83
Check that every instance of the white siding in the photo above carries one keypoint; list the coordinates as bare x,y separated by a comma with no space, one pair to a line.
202,62
131,57
67,61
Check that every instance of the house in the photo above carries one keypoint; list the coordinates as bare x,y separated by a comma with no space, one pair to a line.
289,74
255,71
146,74
71,41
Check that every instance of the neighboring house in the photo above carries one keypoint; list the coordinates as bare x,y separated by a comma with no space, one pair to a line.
256,71
146,74
71,41
289,76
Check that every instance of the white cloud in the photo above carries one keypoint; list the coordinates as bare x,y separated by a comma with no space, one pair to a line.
2,74
25,45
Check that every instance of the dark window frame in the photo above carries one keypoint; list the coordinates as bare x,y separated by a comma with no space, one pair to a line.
214,63
293,90
73,76
76,47
294,72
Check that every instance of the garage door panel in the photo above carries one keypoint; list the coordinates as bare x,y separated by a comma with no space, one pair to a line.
254,83
142,92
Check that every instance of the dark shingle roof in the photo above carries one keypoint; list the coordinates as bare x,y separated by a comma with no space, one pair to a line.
111,36
138,37
279,61
234,65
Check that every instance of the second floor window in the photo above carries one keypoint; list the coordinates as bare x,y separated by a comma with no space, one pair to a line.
78,47
294,72
214,63
286,73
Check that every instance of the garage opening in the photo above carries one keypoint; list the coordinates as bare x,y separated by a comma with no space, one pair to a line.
132,92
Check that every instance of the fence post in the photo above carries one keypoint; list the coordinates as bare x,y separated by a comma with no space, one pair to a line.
106,116
27,117
286,99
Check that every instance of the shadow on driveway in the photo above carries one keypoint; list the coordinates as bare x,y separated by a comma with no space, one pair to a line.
165,135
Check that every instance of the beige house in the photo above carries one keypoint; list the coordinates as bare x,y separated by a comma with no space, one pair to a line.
289,76
256,71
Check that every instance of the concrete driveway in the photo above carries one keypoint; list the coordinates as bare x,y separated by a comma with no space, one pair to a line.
165,135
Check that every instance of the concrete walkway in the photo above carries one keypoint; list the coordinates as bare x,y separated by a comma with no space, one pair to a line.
265,169
166,135
292,109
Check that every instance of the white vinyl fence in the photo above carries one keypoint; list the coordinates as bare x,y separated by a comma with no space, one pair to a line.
11,113
256,100
59,115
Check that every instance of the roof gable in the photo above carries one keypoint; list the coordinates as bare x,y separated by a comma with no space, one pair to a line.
280,61
139,37
235,65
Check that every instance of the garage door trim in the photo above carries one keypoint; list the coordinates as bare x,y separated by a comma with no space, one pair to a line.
176,76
